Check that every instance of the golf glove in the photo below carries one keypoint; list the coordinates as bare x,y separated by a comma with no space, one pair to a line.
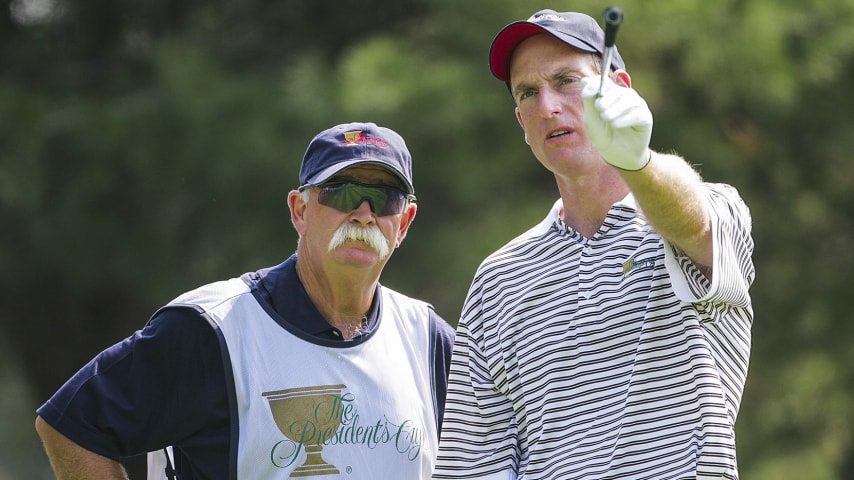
619,123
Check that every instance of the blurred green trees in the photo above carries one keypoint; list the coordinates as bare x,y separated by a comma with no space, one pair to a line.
146,148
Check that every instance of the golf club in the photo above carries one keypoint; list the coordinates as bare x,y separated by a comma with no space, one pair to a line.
613,19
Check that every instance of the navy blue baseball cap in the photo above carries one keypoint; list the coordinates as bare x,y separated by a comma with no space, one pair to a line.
349,144
574,29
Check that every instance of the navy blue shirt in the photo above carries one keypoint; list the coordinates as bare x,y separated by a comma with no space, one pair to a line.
166,384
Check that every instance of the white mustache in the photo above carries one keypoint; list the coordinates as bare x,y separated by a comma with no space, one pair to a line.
369,235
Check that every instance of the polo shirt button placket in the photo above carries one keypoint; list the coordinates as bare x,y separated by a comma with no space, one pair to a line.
585,286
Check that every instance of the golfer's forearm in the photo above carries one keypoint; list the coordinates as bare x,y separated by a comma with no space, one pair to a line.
70,461
669,192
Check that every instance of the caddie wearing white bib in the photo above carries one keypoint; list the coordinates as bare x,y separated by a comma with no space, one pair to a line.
308,369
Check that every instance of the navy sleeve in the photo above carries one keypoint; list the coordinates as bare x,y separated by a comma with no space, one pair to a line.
442,335
163,385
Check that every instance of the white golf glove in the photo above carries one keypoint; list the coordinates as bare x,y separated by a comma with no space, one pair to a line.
619,123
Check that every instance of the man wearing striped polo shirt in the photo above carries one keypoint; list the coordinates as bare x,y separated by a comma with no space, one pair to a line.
611,340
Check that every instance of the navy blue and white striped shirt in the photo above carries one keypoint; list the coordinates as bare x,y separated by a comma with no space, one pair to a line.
612,357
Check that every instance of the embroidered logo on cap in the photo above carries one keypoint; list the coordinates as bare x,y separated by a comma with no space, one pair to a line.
544,17
357,136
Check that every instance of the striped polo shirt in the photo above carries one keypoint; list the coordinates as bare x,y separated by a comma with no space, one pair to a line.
612,357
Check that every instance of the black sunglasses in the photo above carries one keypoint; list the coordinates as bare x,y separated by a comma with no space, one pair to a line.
347,196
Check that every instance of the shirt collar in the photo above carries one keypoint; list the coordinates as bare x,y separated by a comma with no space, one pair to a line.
554,220
282,289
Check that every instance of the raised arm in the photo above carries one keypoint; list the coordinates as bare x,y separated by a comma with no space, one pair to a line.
667,189
70,461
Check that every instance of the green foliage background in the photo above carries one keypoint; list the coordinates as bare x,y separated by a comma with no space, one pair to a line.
148,147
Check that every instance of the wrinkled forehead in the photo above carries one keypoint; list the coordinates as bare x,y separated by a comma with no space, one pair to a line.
544,56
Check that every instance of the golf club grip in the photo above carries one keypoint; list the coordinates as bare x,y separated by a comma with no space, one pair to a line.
613,19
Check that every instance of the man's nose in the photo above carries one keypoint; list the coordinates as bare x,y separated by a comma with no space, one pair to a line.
549,102
364,213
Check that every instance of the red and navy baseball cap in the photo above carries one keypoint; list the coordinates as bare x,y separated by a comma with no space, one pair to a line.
574,29
349,144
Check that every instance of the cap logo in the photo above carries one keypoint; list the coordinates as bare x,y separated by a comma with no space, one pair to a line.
357,136
544,17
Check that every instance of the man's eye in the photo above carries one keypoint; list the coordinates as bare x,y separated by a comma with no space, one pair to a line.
526,94
570,84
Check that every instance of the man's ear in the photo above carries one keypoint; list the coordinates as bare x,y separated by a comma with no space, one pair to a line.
522,124
298,207
405,222
622,78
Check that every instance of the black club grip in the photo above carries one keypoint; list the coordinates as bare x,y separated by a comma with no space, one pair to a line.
613,19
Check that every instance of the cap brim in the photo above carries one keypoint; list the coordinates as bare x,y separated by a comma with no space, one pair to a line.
329,172
504,44
513,34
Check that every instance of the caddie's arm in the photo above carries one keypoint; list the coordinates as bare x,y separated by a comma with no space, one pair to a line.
667,189
71,461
